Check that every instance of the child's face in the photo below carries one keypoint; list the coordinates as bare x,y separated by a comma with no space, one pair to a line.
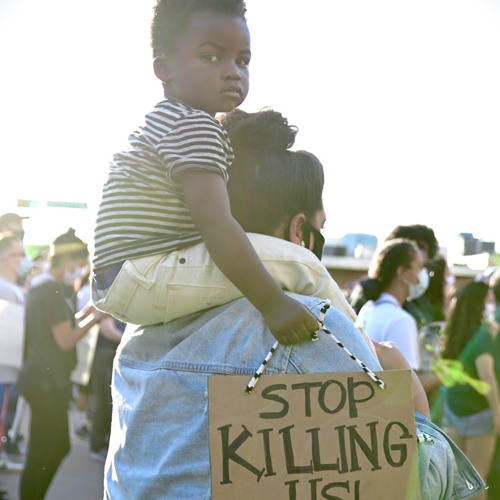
208,68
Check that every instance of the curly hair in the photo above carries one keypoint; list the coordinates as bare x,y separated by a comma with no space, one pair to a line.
465,318
385,263
422,235
269,183
171,16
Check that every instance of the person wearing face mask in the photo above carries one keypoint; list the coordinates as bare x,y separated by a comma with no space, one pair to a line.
471,336
396,275
51,336
12,255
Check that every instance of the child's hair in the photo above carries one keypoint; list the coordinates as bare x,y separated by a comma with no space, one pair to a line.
68,244
268,183
393,254
171,16
466,317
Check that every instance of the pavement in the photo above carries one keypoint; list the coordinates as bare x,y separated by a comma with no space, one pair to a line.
79,477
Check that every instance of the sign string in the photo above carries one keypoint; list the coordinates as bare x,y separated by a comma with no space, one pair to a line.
314,336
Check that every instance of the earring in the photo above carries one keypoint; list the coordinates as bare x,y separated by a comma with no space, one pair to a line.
302,243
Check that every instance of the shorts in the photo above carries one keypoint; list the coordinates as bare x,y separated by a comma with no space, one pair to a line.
476,424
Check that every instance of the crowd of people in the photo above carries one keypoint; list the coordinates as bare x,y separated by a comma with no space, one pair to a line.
50,290
209,237
410,298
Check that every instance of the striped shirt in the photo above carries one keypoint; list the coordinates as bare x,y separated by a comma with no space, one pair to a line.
143,211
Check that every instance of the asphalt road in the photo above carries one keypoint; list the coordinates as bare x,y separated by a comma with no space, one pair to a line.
79,477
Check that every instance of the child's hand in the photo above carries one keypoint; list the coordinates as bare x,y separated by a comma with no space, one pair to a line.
290,321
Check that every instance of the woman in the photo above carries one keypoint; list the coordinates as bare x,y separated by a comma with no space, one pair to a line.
470,337
397,274
51,336
161,372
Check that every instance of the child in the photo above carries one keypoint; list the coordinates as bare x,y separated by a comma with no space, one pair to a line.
169,190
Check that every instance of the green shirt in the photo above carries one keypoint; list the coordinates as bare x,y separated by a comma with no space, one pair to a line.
463,399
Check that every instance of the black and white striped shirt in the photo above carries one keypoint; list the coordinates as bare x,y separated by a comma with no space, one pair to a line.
143,211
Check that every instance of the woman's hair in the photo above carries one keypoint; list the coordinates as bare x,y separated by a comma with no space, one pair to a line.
269,184
385,263
422,235
67,244
435,292
171,16
465,318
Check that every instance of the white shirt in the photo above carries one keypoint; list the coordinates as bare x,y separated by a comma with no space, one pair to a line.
385,320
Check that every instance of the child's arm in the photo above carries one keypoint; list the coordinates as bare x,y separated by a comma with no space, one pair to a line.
208,201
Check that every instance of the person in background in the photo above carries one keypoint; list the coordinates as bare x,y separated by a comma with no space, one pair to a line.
493,478
110,334
11,256
12,224
426,241
396,274
51,336
434,302
471,334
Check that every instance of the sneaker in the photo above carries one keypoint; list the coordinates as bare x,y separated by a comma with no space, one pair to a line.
99,455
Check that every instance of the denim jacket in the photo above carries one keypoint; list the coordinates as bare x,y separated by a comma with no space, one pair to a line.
159,438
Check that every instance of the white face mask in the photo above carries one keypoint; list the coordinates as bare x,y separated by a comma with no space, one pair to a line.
70,277
418,289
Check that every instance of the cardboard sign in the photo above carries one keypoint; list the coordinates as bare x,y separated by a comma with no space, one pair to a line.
333,436
11,334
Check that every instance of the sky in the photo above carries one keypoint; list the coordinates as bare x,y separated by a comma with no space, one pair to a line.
398,99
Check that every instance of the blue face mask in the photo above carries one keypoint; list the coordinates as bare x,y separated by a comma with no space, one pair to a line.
24,268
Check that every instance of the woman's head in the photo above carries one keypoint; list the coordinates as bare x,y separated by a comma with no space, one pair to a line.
466,317
69,254
268,183
397,259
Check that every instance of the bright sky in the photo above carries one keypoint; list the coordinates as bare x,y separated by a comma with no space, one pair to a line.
398,99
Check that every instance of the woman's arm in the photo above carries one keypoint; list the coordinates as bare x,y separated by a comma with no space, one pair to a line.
67,336
485,365
391,358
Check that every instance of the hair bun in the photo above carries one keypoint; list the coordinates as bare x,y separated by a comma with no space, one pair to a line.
265,130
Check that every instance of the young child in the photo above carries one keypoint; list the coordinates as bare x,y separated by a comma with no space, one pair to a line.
168,191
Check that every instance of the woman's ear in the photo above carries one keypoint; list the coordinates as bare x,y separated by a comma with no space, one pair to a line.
297,229
161,68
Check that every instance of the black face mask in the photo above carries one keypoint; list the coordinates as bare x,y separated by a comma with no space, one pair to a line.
319,239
